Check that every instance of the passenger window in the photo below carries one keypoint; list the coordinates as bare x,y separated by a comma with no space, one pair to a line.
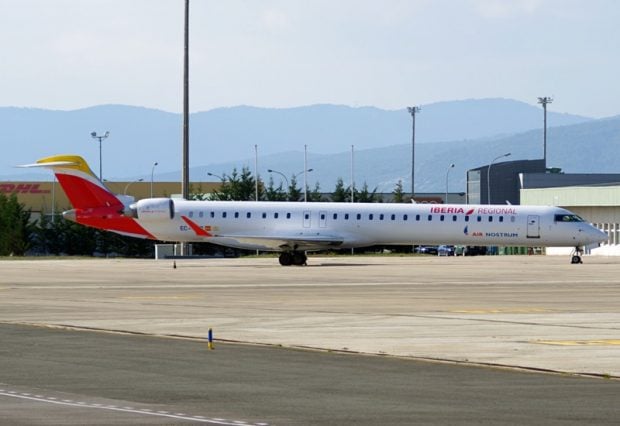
275,215
322,216
381,216
405,217
212,214
359,216
264,215
430,217
335,216
248,215
370,216
479,219
393,217
236,215
441,218
306,216
501,218
454,218
466,218
346,216
224,215
288,215
417,217
490,218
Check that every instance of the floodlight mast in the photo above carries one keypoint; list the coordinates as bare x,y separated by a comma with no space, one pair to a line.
94,135
413,110
544,101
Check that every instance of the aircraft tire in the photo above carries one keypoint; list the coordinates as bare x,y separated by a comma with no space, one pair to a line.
575,259
299,258
286,259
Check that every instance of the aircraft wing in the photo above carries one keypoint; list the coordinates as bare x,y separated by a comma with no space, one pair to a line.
286,242
292,241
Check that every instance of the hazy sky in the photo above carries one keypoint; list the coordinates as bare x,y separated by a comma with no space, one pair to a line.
69,54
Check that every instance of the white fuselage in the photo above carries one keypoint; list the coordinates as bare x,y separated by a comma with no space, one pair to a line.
281,226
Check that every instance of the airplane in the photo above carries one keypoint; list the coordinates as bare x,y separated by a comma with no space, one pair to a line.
293,228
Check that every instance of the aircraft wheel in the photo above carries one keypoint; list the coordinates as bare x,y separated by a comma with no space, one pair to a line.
575,259
299,258
286,259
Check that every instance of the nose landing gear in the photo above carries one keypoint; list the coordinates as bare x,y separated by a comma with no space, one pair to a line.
576,256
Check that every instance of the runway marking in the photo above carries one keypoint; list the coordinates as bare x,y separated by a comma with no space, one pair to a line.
598,342
503,311
161,297
145,411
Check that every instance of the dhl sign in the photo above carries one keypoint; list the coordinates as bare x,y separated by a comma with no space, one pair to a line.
22,188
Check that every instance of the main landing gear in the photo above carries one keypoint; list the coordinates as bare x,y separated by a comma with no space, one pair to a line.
289,258
576,256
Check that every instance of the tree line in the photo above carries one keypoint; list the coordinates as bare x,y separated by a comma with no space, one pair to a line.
52,235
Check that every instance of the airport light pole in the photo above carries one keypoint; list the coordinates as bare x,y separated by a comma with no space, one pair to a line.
305,173
94,135
451,166
489,176
130,183
256,172
152,174
281,174
352,173
544,101
413,111
217,176
294,176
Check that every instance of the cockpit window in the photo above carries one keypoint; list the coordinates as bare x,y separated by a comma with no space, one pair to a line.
568,218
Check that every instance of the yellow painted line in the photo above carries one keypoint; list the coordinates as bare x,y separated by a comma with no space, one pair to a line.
599,342
503,311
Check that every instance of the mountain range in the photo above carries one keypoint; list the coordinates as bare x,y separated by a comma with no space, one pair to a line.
468,133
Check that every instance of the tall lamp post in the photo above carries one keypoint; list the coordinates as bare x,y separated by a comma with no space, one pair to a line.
152,174
281,174
217,176
294,176
489,176
352,173
451,166
100,137
130,183
413,111
544,101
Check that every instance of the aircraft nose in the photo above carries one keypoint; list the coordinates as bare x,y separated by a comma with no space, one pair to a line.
598,235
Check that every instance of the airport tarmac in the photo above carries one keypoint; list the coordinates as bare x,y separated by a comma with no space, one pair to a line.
533,312
53,376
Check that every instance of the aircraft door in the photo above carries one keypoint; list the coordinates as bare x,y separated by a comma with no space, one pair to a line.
307,219
322,219
533,226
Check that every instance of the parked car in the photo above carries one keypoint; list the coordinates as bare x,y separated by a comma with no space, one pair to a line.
426,249
445,250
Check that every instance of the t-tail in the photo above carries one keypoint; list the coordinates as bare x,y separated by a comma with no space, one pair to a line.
93,203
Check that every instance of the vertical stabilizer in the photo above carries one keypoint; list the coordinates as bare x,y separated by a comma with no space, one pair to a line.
82,187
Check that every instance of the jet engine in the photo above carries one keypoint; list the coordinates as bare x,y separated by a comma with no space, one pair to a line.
153,209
